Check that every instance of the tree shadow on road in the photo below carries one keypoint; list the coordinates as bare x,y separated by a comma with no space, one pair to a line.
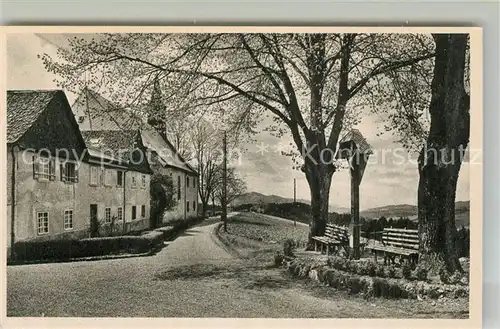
250,276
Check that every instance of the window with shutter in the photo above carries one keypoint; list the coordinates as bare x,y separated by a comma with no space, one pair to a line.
52,169
36,167
94,175
178,187
44,168
69,172
134,212
119,178
62,171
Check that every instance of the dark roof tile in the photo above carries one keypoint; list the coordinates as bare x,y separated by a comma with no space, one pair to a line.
23,109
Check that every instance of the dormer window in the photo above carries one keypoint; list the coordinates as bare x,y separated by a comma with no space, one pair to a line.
81,119
95,142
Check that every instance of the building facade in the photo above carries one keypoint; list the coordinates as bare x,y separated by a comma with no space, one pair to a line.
56,185
95,113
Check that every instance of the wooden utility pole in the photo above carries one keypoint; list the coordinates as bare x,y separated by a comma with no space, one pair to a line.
355,180
294,191
294,198
224,182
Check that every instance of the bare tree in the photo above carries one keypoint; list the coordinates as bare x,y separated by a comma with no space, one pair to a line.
312,85
236,186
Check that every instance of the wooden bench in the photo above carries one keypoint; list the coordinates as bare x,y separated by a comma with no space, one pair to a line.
402,243
335,236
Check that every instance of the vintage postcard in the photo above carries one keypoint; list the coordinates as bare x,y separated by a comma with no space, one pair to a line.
199,176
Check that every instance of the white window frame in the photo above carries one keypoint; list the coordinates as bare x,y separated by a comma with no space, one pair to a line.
38,222
134,181
97,175
68,219
143,181
45,168
107,177
107,214
119,213
64,173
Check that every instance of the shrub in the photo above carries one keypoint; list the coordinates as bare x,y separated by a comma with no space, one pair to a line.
460,292
337,263
167,231
354,284
385,288
278,259
380,271
363,268
444,276
380,287
352,266
421,273
456,277
406,271
390,271
289,247
371,268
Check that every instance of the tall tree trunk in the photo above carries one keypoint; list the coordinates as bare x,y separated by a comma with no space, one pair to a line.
441,158
319,178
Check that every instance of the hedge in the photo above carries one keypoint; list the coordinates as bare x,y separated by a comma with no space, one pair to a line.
167,231
72,248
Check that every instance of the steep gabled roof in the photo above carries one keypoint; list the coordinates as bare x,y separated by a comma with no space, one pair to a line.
27,107
23,109
119,144
105,115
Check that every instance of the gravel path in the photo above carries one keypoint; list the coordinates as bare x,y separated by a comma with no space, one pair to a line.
191,277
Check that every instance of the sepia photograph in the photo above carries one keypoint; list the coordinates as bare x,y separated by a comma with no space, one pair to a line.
330,173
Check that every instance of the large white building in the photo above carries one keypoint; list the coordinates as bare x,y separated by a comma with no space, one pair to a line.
93,112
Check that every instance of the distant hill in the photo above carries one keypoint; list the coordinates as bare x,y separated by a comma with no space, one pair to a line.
259,198
400,210
462,212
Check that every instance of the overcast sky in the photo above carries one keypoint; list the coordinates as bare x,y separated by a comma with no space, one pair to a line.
390,182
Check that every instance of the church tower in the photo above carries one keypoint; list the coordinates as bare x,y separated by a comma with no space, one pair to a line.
157,110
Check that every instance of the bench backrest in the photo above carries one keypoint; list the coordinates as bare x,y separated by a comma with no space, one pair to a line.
401,238
336,232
